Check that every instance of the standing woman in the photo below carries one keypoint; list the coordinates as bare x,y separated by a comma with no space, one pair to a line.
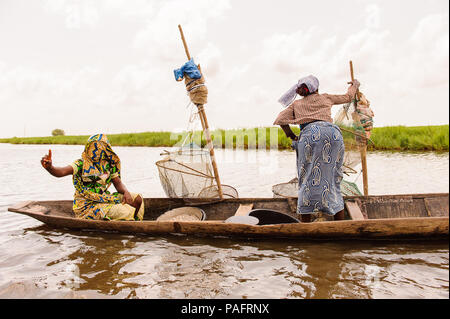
320,146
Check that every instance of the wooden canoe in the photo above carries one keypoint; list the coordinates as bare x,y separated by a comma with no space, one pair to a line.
423,216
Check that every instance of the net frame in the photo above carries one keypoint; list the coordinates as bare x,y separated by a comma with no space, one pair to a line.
290,189
180,178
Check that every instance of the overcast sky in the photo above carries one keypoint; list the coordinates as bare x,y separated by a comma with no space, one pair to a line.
89,66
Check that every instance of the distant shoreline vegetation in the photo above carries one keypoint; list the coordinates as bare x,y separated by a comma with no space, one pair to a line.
395,138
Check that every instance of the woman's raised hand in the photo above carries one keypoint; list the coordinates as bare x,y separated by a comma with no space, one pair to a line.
46,161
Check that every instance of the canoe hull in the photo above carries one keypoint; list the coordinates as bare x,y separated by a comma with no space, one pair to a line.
381,228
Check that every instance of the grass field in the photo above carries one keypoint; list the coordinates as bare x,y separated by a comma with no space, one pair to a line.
416,138
397,138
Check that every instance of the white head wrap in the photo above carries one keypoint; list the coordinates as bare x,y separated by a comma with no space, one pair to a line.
311,82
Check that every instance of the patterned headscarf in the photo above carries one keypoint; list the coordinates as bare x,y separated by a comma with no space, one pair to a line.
311,82
99,160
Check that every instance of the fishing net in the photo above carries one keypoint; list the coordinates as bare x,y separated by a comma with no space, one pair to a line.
355,120
188,173
290,189
350,189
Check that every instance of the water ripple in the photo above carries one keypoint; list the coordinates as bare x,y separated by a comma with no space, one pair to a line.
37,261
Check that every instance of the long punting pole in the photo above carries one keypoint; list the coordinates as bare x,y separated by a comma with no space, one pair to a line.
202,114
363,148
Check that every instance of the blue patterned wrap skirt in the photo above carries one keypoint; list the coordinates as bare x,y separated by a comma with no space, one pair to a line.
320,155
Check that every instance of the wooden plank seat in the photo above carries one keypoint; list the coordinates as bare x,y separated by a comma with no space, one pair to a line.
243,209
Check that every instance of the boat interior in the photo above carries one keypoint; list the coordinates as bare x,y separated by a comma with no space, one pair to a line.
356,208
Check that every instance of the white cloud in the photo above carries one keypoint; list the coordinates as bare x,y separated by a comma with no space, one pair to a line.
373,16
160,36
33,82
130,8
423,61
393,74
211,58
77,14
127,75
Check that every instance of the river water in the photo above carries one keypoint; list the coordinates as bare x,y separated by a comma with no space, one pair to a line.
37,261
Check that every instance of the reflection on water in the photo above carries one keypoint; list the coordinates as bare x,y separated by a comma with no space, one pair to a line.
37,261
92,265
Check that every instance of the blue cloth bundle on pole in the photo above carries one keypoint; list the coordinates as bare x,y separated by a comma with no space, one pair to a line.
190,69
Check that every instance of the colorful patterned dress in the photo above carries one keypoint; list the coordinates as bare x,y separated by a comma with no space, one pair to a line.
92,175
320,147
320,155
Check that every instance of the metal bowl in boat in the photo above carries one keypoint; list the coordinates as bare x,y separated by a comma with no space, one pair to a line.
272,217
183,214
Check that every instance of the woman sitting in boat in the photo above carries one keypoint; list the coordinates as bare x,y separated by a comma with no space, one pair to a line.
319,147
92,175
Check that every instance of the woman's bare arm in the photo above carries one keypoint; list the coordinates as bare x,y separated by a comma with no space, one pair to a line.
121,188
345,98
46,163
287,130
127,198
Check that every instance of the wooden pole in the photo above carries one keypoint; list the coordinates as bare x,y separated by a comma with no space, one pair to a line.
184,42
363,148
204,121
363,152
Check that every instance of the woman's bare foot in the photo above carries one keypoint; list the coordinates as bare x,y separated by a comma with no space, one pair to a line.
305,218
